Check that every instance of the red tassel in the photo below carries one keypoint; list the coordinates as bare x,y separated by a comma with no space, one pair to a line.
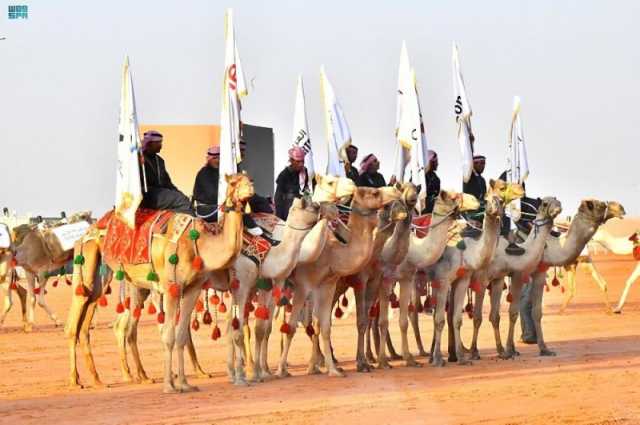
108,290
543,267
338,313
435,284
276,292
120,308
68,281
222,308
393,297
102,302
251,307
235,283
13,262
36,291
216,333
288,308
460,272
227,294
137,312
476,286
469,308
555,281
161,317
411,308
262,313
80,291
199,306
526,278
151,309
309,330
197,263
419,308
214,299
504,286
127,303
345,301
14,286
195,325
509,297
395,304
206,318
235,323
433,302
207,285
55,283
174,290
285,328
636,252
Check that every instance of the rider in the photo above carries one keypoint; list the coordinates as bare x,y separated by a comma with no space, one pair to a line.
292,182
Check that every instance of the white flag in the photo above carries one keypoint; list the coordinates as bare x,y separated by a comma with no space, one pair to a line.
338,133
128,184
233,88
518,163
419,163
301,129
406,115
463,113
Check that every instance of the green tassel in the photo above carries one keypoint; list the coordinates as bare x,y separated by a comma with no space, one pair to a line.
120,275
173,259
62,271
103,270
194,234
264,284
153,277
78,260
461,245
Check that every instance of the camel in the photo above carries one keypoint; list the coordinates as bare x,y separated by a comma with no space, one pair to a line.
337,260
301,226
456,267
182,260
503,265
39,252
421,254
591,214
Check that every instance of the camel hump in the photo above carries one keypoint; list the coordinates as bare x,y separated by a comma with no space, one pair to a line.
21,231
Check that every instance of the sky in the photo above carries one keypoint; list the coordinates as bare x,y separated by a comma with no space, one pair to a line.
575,65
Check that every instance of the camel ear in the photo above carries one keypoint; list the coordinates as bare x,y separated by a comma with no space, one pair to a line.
398,185
492,183
588,204
444,195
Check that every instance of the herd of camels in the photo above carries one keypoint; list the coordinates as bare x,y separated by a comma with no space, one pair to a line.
196,269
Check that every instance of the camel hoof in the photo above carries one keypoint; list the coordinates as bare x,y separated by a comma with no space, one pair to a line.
395,357
75,386
337,373
438,362
314,370
146,380
170,390
506,356
256,379
475,355
241,382
617,311
58,323
186,388
412,363
452,359
547,353
283,374
28,328
363,367
371,359
423,353
464,362
98,384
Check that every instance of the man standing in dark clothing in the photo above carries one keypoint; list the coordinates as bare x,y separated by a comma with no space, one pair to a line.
161,193
291,183
432,182
477,187
349,169
205,188
369,175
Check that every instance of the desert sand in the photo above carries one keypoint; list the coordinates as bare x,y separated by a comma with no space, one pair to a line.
593,380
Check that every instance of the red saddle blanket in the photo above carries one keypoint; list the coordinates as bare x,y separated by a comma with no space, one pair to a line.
421,225
255,247
131,246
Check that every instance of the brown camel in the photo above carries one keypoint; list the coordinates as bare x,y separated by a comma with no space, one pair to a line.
182,260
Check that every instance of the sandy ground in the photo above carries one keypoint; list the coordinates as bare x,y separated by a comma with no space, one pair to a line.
593,380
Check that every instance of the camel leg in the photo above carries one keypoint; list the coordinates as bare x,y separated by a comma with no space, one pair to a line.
571,283
441,295
138,298
373,339
477,322
459,293
188,302
168,337
494,315
363,299
451,342
383,326
7,297
627,286
31,302
40,298
120,325
85,342
537,291
324,296
602,284
415,325
300,293
514,312
406,294
261,330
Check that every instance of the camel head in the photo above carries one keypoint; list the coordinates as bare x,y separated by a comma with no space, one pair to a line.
372,199
409,193
599,212
452,203
549,208
332,189
239,190
506,191
303,214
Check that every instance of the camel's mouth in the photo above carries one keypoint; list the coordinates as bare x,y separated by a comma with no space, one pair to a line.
616,210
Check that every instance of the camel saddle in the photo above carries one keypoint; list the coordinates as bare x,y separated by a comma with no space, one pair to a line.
132,246
422,223
256,248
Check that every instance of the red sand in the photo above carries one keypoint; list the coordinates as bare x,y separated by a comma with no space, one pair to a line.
593,380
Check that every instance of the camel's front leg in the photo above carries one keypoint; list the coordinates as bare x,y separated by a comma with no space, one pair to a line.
537,292
364,300
40,297
139,296
168,336
571,285
236,335
415,324
261,337
85,342
7,298
300,293
602,284
477,322
120,329
627,286
383,325
439,319
31,302
323,297
407,287
459,293
494,315
189,297
514,311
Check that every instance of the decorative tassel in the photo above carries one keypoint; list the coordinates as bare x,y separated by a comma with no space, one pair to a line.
411,308
108,291
395,304
78,260
173,259
562,289
174,290
276,292
461,245
338,313
419,308
460,272
433,302
161,317
207,285
127,303
36,291
393,297
235,283
151,309
120,308
67,281
206,318
222,308
288,308
215,299
137,312
509,297
80,291
285,328
216,333
636,252
264,284
197,263
435,284
476,286
262,313
469,307
309,330
543,267
555,281
194,234
235,323
546,287
120,275
283,301
103,270
14,286
152,276
199,306
195,325
102,302
55,283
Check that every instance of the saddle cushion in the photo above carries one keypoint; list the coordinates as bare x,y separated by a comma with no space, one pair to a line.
131,246
421,225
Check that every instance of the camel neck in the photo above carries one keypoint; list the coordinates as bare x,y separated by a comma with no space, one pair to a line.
580,232
479,253
349,258
426,251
